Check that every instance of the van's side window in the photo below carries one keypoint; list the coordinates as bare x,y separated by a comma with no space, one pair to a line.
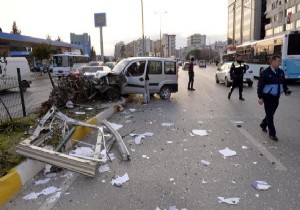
136,69
170,67
155,67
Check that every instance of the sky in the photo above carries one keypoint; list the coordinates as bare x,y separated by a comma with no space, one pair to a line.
38,18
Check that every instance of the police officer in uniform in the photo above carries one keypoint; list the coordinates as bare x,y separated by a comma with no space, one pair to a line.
270,86
237,71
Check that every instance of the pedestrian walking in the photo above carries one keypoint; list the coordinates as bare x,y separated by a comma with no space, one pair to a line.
237,70
270,86
146,89
191,74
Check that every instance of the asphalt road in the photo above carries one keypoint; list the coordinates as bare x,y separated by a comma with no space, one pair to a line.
174,175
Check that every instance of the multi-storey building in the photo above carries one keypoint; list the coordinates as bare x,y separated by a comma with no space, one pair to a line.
82,39
246,21
119,50
196,40
283,15
168,45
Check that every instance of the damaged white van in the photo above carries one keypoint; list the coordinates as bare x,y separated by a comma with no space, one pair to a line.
9,76
128,76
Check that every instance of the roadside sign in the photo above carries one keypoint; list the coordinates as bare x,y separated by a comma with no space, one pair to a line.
100,19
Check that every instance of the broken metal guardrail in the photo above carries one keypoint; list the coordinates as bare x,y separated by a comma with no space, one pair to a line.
30,147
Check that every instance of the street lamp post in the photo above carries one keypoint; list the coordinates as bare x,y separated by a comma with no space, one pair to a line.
143,36
160,42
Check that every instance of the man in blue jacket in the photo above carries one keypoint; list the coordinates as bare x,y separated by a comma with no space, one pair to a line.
270,86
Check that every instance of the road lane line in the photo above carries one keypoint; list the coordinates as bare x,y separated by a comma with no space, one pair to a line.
278,165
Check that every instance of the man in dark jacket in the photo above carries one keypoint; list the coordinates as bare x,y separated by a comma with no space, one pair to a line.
270,86
191,74
237,71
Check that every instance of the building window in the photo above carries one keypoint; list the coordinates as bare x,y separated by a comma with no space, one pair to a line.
298,7
278,29
298,23
289,27
269,32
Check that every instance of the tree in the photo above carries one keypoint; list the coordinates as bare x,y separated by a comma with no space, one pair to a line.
92,54
15,29
48,37
42,51
59,39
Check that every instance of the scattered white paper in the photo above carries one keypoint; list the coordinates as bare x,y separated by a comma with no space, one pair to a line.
238,122
227,152
82,151
47,191
257,195
204,182
192,134
260,185
233,182
171,179
118,181
127,121
128,116
169,142
104,168
132,110
231,201
200,122
115,126
157,208
132,150
146,157
42,181
55,197
47,169
167,124
138,137
204,162
70,104
254,163
103,181
173,208
50,175
89,108
80,113
111,156
244,147
200,132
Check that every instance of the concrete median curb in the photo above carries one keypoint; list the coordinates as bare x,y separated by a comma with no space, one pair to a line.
13,181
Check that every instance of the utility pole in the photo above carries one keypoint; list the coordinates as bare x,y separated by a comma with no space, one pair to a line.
143,36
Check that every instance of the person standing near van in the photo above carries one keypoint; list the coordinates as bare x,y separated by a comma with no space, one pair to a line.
270,86
237,70
191,74
146,90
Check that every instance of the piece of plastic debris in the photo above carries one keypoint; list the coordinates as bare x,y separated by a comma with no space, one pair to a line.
115,126
89,108
204,162
132,150
70,104
169,142
231,201
227,152
200,122
82,151
192,134
254,163
238,122
103,181
146,157
121,108
260,185
200,132
79,113
50,175
118,181
244,147
139,137
257,195
127,121
204,182
233,182
104,168
167,124
171,179
42,181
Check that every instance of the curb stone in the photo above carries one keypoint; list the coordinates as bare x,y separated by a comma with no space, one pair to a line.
13,181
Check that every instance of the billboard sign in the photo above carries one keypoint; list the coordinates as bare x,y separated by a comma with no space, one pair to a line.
100,19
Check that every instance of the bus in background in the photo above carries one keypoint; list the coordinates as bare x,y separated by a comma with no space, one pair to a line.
64,64
257,53
229,57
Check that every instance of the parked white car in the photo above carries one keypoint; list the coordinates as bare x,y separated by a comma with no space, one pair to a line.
223,75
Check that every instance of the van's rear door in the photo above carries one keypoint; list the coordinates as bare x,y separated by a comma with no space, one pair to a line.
135,74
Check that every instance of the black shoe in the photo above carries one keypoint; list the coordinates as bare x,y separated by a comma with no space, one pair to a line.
242,99
263,127
229,95
192,89
274,138
189,88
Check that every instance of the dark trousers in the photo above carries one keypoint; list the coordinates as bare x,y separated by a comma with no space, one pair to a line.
271,103
191,81
237,82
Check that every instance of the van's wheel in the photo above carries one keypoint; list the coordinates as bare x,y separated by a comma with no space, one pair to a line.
165,93
113,94
250,84
217,80
24,86
227,83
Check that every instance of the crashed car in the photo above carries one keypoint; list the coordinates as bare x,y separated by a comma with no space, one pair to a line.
128,77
